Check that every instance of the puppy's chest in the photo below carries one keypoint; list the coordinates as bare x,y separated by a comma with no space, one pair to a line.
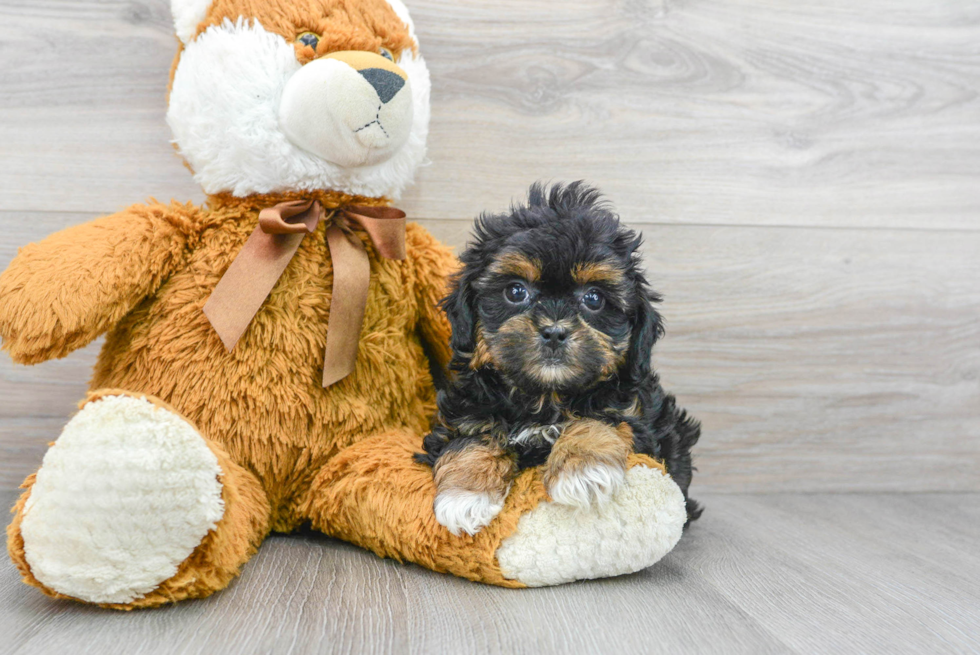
535,434
533,438
532,442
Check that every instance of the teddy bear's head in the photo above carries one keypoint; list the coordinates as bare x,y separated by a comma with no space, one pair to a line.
294,95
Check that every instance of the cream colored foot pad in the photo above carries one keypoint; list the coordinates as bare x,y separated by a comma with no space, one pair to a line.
124,496
637,526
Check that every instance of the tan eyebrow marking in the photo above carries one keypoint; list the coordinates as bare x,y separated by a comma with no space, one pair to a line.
514,263
591,272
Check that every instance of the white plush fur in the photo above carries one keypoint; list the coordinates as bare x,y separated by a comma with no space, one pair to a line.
588,486
555,543
188,14
224,113
124,496
330,110
466,511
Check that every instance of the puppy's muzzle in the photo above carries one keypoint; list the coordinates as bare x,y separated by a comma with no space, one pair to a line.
351,108
553,336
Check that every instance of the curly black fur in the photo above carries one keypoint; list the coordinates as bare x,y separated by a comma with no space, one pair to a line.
559,229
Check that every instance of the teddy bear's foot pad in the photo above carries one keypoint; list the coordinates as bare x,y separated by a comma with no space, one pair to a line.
554,543
123,497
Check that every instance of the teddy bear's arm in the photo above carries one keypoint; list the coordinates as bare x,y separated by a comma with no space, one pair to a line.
433,264
61,293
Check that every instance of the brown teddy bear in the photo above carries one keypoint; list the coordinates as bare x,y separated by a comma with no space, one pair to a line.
268,356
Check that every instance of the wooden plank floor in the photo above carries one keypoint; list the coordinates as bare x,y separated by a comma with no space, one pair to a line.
817,573
830,112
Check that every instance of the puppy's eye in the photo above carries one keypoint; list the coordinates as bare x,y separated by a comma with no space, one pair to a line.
593,300
308,38
386,53
516,293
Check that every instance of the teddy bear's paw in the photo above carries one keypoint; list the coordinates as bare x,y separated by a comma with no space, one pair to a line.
466,511
555,543
586,486
123,497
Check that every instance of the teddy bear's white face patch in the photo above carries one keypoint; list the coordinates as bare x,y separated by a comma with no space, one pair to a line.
346,115
246,126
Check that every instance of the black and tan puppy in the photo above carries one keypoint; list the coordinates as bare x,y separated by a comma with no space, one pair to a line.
553,327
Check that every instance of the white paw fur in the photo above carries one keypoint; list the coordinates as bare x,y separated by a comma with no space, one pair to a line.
555,543
588,486
123,497
466,511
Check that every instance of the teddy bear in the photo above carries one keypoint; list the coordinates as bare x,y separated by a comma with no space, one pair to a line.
270,356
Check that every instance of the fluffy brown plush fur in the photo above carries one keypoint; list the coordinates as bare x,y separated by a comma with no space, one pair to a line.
289,450
340,24
144,275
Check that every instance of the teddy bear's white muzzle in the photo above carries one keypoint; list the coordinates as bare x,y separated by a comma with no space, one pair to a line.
347,116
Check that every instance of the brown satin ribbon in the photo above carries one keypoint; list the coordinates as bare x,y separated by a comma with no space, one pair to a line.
251,277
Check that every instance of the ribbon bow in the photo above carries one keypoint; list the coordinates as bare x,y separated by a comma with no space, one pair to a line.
251,277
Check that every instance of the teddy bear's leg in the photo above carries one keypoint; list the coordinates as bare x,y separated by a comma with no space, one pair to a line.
132,507
375,495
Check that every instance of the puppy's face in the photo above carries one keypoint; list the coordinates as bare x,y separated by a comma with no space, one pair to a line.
550,319
551,295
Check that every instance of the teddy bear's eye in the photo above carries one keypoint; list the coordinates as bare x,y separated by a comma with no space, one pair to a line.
386,53
308,38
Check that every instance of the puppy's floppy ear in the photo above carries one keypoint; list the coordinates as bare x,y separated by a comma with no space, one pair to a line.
460,308
647,327
461,303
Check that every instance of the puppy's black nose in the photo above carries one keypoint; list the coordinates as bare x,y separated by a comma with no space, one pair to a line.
553,335
386,83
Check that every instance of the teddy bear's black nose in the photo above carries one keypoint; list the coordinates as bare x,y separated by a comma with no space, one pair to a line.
386,83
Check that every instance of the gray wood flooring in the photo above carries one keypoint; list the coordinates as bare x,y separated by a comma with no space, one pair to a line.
795,573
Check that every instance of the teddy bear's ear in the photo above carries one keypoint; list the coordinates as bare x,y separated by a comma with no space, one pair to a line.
188,14
402,12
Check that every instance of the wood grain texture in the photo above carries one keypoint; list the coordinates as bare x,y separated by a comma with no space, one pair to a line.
817,359
813,113
757,574
805,113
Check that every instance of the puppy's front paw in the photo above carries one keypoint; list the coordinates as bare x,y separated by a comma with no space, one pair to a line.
581,487
466,511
